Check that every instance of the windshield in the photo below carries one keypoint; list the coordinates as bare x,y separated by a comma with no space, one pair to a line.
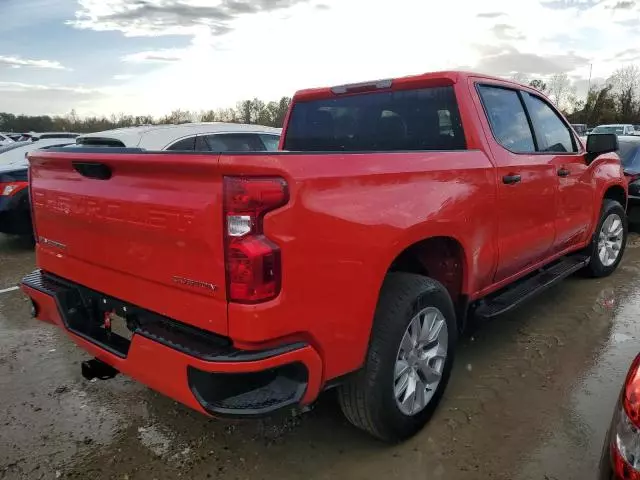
16,155
618,130
425,119
11,146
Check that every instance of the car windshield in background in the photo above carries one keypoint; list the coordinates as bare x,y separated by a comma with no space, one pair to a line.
629,154
616,130
12,146
425,119
16,155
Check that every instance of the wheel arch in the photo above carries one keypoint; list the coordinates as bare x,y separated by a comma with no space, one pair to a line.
440,257
616,192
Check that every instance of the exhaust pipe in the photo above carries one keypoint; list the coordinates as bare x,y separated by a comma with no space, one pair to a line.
97,369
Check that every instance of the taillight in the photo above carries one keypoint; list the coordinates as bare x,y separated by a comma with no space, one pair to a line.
626,440
11,188
31,207
253,262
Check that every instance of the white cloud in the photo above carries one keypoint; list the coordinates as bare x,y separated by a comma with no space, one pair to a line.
26,87
17,62
157,56
38,99
270,48
167,17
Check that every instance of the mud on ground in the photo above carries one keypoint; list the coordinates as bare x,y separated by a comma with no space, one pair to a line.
531,396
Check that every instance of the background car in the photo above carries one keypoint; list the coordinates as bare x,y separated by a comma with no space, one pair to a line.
49,135
580,128
15,214
200,137
621,451
629,153
618,129
5,139
15,153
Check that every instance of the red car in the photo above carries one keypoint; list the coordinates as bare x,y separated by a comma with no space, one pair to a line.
621,452
243,283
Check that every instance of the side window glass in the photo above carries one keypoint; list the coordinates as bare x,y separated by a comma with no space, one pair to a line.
507,118
186,144
271,142
551,132
234,143
201,144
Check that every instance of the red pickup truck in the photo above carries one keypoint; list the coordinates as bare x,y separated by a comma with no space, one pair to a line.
243,283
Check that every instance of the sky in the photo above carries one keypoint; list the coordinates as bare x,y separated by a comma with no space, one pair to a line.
103,57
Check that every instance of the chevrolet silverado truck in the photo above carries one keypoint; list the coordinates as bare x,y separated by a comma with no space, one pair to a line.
244,283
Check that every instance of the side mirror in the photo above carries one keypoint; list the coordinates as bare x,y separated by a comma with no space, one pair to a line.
600,143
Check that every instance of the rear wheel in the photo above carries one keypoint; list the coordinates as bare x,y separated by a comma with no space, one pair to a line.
409,360
609,240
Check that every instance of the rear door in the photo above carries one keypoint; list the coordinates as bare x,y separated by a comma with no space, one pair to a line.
526,183
558,147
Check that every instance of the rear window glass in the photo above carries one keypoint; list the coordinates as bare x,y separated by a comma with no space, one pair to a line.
99,142
426,119
57,135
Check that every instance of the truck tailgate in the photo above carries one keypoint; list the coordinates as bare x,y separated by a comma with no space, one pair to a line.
145,228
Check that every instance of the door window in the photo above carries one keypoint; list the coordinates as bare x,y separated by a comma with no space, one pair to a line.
233,142
552,134
507,118
185,145
271,142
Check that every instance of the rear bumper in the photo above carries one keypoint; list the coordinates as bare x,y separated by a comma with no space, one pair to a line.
199,369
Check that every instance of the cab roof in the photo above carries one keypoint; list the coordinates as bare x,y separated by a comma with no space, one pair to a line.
432,79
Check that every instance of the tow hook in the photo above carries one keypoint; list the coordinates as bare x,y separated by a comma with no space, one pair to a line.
97,369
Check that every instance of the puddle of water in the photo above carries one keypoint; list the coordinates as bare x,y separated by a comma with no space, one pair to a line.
574,446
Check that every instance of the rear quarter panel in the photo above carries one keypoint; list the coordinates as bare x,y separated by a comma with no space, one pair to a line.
350,215
606,172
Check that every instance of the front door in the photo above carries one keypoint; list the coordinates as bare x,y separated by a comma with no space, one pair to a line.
526,184
558,146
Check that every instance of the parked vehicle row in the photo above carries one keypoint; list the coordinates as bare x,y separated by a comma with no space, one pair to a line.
15,215
252,281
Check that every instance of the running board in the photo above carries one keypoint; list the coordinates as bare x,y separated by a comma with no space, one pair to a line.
512,296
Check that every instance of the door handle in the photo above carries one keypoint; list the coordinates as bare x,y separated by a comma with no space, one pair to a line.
511,179
563,172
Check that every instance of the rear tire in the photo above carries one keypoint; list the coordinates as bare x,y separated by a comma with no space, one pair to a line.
609,240
370,399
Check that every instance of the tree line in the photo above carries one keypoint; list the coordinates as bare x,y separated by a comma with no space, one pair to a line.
253,111
615,100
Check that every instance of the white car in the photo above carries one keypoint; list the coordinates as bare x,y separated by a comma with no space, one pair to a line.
5,140
192,137
15,153
617,128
